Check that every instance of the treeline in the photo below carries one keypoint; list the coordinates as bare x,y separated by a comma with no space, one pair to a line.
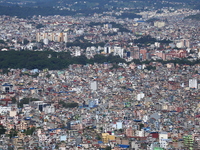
152,20
68,105
129,15
48,59
59,61
195,17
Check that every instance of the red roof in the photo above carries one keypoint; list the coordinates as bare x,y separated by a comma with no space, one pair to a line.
197,116
6,99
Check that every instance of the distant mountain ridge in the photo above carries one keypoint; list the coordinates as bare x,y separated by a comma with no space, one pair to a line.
101,3
28,8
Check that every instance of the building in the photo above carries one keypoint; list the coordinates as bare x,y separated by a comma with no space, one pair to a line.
193,83
143,54
159,24
52,36
107,48
163,137
7,88
176,54
118,51
135,52
188,142
93,85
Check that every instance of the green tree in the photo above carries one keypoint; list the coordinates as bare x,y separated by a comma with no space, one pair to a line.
12,133
141,126
145,40
68,105
2,129
48,75
26,101
29,131
150,68
108,148
100,58
38,26
26,41
2,42
98,137
14,100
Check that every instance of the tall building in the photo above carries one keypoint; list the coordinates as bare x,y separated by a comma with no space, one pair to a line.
143,54
185,43
118,51
65,37
163,137
107,48
135,52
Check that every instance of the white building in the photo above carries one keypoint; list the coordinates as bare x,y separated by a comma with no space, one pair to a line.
5,109
163,138
107,48
140,133
78,52
46,41
117,125
157,44
65,37
49,109
93,85
193,83
118,51
140,96
179,45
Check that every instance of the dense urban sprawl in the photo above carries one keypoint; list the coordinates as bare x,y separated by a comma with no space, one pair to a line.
101,106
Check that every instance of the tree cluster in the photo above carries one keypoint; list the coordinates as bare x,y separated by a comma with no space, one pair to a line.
41,60
13,133
194,17
38,26
29,131
68,105
2,129
145,40
150,40
59,61
129,15
26,101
